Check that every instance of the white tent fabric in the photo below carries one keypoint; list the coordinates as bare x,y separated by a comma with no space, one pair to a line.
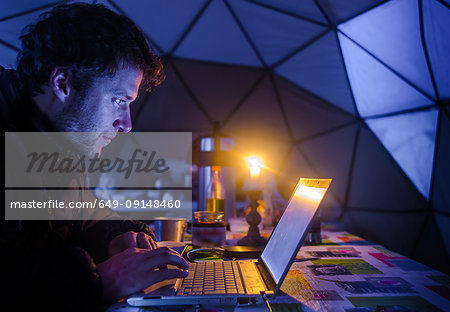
358,90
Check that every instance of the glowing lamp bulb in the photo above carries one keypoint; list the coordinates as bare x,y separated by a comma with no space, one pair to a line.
255,166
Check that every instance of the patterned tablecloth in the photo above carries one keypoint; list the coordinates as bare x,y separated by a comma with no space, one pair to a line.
355,275
351,275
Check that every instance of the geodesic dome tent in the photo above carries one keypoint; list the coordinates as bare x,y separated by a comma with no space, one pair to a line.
355,90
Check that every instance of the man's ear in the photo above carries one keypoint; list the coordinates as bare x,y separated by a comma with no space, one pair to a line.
60,83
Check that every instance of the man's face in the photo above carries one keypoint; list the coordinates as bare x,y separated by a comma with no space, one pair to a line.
102,112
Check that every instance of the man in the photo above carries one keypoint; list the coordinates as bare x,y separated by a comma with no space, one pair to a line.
79,69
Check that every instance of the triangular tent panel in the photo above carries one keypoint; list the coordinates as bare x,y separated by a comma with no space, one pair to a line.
377,181
16,8
339,11
319,68
307,114
410,138
163,21
382,227
331,207
441,194
11,29
294,166
436,19
7,57
163,112
377,90
332,160
219,88
424,251
259,110
109,5
305,8
394,24
217,37
443,223
277,38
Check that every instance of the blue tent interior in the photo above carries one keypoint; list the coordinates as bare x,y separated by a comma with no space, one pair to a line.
356,90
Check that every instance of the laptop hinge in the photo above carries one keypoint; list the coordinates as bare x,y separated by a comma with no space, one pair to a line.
271,285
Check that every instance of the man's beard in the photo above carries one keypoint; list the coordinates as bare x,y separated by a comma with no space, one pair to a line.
79,123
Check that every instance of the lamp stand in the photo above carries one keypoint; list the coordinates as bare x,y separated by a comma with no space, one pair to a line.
253,218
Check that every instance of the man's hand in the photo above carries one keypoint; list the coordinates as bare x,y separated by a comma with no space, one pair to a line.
130,240
135,269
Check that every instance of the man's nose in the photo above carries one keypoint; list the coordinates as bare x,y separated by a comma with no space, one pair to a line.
123,121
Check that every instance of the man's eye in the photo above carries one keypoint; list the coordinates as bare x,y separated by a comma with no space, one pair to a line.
119,101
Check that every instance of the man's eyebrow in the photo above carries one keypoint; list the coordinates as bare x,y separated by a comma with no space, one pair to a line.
122,93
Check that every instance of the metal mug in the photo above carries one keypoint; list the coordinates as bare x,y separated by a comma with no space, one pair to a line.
170,229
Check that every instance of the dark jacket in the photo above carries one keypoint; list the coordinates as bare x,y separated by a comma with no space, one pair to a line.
51,263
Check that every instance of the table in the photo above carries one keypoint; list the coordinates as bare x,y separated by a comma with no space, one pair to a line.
351,275
355,275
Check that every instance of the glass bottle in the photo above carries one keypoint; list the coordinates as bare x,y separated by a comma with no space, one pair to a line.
215,192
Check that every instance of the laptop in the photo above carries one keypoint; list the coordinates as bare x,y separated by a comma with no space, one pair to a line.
247,281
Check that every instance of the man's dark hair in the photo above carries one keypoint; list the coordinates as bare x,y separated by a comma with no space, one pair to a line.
88,41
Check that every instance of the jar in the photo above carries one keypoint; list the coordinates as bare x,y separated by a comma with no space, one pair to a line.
208,229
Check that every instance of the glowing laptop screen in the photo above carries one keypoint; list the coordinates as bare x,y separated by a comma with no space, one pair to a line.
293,225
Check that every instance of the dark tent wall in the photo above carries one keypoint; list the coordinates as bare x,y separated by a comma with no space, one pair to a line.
357,90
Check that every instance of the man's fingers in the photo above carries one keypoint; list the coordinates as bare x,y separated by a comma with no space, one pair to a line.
143,241
162,256
122,242
153,243
161,250
165,274
130,239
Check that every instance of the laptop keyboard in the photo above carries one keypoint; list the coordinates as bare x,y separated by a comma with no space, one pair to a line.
212,277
